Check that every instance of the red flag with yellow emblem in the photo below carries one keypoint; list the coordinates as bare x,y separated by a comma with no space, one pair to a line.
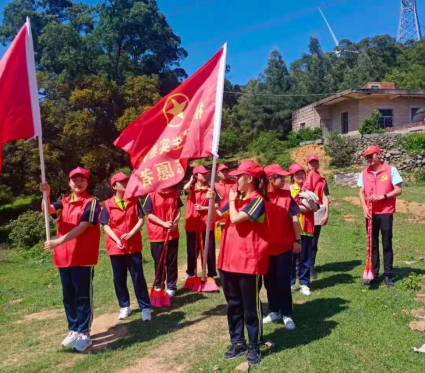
184,124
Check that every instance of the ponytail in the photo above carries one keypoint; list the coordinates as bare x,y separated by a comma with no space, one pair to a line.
261,186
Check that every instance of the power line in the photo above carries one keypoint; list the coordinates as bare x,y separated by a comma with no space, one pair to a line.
281,95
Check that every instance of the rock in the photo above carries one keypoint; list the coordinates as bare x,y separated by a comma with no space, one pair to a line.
244,367
270,344
319,141
347,179
216,368
417,325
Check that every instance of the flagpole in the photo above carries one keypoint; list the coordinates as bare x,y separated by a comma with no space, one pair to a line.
35,106
216,141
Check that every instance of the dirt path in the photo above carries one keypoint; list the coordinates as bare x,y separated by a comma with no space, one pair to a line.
299,155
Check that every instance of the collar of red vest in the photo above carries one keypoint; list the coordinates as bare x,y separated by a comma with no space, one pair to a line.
227,181
82,197
381,168
205,188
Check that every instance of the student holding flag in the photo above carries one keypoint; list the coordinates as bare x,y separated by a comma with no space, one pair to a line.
196,221
163,211
244,259
122,220
284,238
75,253
223,188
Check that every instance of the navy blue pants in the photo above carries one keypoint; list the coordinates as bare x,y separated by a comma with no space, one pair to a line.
191,240
278,283
171,270
133,263
77,290
242,292
304,259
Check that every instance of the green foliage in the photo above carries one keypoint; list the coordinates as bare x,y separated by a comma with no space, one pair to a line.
29,230
414,143
304,134
412,282
231,143
271,150
35,253
340,150
420,175
6,195
371,125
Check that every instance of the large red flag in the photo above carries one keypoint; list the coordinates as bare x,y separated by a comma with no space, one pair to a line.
180,126
19,108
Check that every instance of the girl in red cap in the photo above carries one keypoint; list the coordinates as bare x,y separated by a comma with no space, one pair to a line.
223,187
122,221
306,218
196,221
75,252
322,192
244,258
163,212
284,238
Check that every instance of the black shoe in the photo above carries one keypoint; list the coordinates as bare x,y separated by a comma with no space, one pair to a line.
254,356
388,282
235,350
313,274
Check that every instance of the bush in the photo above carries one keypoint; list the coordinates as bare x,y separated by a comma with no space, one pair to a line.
28,230
305,134
371,125
420,175
414,143
412,282
5,195
340,149
231,143
271,150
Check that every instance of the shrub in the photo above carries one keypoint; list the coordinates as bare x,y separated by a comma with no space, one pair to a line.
231,143
28,230
414,143
412,282
305,134
420,175
340,150
271,150
371,125
5,195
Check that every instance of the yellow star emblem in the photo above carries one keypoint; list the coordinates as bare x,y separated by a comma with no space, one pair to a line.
174,108
177,109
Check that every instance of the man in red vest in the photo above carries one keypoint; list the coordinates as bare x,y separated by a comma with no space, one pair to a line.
380,184
75,253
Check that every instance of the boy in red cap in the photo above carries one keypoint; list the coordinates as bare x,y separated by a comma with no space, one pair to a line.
196,221
380,184
163,213
223,187
323,193
122,221
75,253
306,218
243,259
284,234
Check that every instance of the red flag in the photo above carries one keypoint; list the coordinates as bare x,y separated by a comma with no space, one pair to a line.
180,126
19,108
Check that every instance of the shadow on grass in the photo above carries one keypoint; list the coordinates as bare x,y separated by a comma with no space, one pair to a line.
399,273
339,266
327,282
312,324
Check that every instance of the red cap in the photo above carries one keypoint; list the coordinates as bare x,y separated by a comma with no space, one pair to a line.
294,168
222,167
372,149
249,168
312,158
200,170
79,171
120,176
275,169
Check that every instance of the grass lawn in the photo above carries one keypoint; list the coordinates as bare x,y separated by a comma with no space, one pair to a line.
341,327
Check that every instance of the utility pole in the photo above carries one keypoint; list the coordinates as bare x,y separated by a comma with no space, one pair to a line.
409,28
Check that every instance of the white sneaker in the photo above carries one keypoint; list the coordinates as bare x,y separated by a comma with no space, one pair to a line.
157,288
82,343
146,314
124,313
304,289
171,293
70,339
293,289
272,316
188,276
289,323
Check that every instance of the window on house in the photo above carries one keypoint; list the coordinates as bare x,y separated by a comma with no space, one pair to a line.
344,122
373,86
386,119
302,126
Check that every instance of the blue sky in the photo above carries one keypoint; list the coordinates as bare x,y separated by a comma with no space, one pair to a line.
253,28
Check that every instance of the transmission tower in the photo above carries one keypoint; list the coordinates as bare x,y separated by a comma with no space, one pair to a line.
408,28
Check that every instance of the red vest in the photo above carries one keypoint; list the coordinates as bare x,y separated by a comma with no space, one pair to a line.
164,208
197,220
379,185
82,250
281,234
223,189
123,222
306,220
244,248
315,183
